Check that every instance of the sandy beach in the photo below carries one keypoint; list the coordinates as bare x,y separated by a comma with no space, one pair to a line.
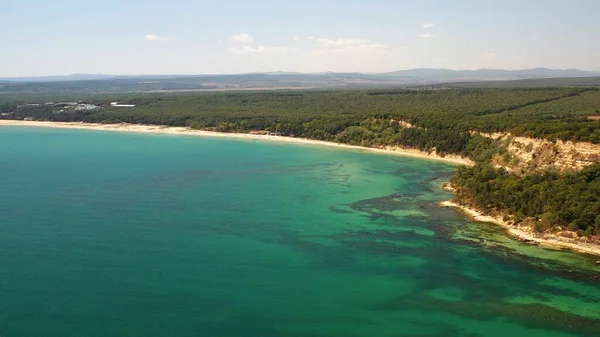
525,234
171,130
547,240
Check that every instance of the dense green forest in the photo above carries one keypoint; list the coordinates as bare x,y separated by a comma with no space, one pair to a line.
571,200
559,113
442,120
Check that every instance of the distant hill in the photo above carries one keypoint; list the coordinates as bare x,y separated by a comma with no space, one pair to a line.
491,74
74,77
526,83
419,73
95,83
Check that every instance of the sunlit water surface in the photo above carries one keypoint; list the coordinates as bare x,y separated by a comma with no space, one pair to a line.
115,234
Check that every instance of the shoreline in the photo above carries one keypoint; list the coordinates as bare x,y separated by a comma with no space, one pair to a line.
179,130
549,240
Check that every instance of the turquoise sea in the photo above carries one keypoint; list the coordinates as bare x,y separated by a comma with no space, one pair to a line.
117,234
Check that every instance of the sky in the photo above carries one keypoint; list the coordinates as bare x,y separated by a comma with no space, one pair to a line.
43,37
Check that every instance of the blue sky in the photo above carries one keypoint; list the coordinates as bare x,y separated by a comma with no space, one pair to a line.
234,36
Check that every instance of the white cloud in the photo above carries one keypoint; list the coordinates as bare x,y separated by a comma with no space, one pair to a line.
340,43
490,54
152,37
401,48
425,36
517,57
242,38
428,25
257,50
350,45
310,38
295,38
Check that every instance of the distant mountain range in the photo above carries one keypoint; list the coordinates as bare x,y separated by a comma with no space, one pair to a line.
282,80
417,74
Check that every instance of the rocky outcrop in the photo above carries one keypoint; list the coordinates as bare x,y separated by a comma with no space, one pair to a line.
531,155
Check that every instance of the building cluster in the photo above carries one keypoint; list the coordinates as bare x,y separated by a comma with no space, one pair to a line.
62,107
76,107
58,108
71,106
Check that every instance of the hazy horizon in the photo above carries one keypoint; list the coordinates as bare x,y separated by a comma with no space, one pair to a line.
285,72
235,37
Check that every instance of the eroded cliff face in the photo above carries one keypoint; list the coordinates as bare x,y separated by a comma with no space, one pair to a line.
526,155
531,155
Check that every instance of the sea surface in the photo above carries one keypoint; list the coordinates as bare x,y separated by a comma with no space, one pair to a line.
118,234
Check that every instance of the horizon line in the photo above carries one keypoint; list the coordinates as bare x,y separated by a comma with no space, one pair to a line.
294,72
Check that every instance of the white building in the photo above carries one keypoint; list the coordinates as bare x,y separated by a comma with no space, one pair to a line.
119,105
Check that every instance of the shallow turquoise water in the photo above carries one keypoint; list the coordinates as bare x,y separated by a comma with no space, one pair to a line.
114,234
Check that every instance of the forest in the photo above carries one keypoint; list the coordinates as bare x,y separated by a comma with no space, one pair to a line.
570,200
551,113
445,120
